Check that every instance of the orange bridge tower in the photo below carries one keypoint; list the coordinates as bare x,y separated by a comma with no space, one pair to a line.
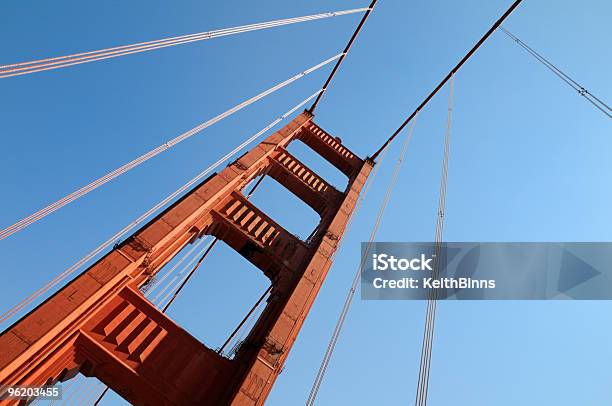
100,324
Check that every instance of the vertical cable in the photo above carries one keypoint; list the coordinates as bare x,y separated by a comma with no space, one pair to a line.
590,97
349,298
430,317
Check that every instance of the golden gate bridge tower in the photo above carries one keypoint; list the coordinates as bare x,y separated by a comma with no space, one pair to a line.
101,325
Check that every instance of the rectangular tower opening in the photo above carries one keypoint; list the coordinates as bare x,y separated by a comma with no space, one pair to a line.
319,165
285,208
220,294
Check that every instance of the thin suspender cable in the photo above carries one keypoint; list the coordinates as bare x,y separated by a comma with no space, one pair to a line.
430,318
344,53
158,298
349,298
80,386
244,320
189,275
87,389
21,224
448,76
97,402
360,201
24,68
248,196
362,198
65,389
157,283
104,390
594,100
441,215
14,310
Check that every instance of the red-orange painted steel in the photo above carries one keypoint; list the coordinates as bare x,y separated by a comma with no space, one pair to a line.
101,325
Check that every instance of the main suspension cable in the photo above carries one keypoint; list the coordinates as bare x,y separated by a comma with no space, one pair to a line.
351,293
15,309
430,317
344,53
23,68
594,100
449,75
25,222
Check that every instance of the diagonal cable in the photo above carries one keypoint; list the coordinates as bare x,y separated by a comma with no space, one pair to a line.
25,222
17,308
590,97
23,68
351,293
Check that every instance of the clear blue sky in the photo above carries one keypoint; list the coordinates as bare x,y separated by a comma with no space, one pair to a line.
530,161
